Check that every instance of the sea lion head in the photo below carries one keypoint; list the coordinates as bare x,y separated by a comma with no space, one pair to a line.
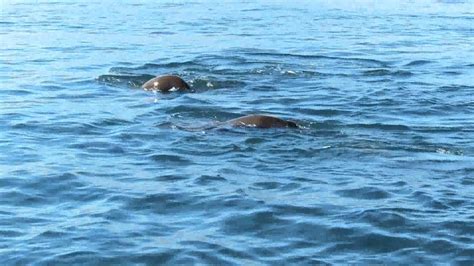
262,121
166,83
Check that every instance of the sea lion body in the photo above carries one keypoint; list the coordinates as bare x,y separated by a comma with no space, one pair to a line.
166,83
261,121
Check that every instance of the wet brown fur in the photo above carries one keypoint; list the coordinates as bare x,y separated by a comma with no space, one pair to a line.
261,121
166,83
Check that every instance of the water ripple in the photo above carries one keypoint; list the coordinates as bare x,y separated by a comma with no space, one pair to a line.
94,170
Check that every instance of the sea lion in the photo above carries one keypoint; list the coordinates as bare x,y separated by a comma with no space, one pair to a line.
261,121
256,121
166,83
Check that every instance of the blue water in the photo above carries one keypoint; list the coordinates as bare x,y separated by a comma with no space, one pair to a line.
94,170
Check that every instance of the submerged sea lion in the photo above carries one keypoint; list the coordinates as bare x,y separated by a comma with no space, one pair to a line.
166,83
261,121
255,121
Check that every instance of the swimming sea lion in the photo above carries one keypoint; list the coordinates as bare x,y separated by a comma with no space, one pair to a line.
166,83
261,121
256,121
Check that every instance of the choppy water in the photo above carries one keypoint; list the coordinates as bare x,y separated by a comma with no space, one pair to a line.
95,170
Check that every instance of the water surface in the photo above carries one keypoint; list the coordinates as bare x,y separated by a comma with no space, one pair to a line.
95,170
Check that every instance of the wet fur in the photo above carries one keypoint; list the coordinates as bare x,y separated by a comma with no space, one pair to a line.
166,83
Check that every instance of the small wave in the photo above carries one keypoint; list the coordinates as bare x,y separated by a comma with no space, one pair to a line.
11,233
256,222
440,129
468,180
457,87
377,72
170,159
402,73
305,211
461,227
321,112
52,234
381,126
449,151
18,198
17,92
72,128
156,67
163,33
369,193
55,128
73,257
164,203
125,80
452,73
111,122
386,72
429,201
365,61
383,219
207,111
201,252
214,83
252,9
267,185
375,242
209,179
56,87
98,147
419,63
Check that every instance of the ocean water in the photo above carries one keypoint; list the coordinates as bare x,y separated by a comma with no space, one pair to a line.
94,170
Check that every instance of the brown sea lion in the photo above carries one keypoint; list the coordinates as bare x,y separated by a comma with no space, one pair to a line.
166,83
261,121
256,121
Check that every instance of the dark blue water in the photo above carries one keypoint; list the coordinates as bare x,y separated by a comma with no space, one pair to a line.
94,170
